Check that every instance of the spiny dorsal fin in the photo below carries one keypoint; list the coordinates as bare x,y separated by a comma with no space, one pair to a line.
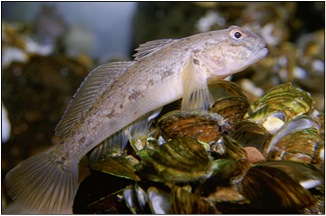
151,46
196,95
95,84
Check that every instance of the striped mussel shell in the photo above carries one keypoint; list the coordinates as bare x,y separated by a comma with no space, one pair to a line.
279,105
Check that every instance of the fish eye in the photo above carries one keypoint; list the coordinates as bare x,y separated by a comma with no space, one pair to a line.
236,35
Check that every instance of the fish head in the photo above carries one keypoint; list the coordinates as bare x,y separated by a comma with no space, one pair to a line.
239,49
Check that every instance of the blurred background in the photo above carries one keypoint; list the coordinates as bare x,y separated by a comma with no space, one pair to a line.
49,48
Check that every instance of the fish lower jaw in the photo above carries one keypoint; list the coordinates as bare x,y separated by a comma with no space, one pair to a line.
263,52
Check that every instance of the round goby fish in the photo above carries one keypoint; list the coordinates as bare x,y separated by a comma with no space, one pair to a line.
117,96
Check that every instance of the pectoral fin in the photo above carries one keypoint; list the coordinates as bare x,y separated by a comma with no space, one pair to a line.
195,90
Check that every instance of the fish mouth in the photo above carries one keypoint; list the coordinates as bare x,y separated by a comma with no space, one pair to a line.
260,54
255,57
263,52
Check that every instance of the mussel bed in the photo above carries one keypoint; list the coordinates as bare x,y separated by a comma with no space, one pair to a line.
237,157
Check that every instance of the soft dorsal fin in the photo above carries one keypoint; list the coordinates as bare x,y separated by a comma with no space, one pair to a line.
151,46
95,84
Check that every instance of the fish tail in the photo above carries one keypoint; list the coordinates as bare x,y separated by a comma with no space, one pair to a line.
42,184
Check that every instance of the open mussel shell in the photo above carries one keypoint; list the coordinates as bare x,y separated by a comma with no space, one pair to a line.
286,98
201,125
232,109
250,134
135,198
271,189
159,200
179,160
274,121
296,124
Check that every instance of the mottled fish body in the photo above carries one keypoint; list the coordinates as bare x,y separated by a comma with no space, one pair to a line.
116,96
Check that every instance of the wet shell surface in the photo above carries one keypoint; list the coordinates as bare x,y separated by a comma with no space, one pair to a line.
283,192
206,127
284,101
244,131
179,160
232,109
300,145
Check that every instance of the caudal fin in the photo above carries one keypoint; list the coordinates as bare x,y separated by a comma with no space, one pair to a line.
41,185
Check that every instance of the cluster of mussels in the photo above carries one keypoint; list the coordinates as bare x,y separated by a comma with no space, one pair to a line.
264,157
